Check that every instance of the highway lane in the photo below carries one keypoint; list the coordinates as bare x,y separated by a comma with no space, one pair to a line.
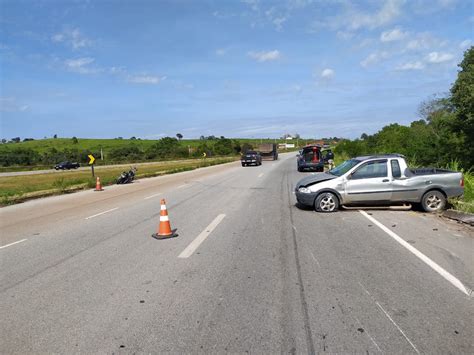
270,277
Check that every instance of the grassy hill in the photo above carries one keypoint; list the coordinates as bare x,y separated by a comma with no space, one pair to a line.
43,153
42,145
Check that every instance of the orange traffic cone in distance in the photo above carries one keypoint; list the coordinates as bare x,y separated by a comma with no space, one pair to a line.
98,186
164,228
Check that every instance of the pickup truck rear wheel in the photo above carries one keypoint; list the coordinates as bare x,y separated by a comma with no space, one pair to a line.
326,202
433,201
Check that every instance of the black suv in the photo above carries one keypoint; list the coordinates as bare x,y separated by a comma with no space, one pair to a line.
66,165
251,157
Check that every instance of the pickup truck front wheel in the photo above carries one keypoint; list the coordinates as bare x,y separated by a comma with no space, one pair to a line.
433,201
326,202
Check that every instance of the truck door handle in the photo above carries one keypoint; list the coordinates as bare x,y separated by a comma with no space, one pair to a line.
385,180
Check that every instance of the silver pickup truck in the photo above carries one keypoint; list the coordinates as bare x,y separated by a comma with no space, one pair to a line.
379,180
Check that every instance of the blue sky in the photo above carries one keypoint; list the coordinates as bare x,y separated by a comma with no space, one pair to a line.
251,68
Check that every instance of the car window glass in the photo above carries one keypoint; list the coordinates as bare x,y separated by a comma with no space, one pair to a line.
396,172
344,167
371,169
308,154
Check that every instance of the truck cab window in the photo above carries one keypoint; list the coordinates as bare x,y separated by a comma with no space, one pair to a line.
371,169
396,172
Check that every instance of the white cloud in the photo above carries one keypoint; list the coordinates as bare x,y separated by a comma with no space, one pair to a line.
328,73
254,4
299,4
278,22
80,65
265,56
276,18
353,19
418,65
424,41
73,37
374,58
10,104
345,35
465,44
145,79
438,57
393,35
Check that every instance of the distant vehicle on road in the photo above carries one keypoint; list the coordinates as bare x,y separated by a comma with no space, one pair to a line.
310,158
251,157
379,180
66,165
268,151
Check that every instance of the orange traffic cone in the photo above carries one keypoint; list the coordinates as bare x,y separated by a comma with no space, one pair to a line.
98,186
164,229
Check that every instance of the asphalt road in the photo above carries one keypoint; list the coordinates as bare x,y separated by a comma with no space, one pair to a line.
80,273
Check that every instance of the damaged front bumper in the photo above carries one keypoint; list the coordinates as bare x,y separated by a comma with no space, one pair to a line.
305,198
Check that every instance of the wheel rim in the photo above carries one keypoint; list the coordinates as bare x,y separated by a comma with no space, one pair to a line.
327,204
433,202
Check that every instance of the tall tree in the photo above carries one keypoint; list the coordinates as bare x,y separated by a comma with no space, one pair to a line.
463,101
179,135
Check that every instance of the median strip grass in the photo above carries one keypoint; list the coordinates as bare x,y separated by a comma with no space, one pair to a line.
15,189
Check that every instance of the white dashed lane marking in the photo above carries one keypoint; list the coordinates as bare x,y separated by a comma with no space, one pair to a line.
191,248
101,213
9,245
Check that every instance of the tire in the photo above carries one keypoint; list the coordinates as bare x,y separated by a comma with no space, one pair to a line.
243,164
326,202
300,170
433,201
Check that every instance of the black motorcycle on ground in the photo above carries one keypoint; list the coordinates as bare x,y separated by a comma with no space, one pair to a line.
127,176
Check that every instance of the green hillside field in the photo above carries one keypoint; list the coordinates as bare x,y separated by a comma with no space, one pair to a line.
45,153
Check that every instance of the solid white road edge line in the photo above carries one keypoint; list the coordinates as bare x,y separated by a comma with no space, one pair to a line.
158,194
449,277
6,246
260,175
101,213
181,186
191,248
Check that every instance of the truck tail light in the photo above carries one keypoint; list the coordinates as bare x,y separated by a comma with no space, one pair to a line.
461,182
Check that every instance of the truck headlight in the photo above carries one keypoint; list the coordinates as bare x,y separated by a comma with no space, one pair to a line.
304,190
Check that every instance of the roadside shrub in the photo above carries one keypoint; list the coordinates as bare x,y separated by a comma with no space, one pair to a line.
128,152
19,156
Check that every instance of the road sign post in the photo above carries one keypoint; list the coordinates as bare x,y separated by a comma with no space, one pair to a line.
91,163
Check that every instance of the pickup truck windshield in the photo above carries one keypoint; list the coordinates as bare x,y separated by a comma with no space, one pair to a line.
344,167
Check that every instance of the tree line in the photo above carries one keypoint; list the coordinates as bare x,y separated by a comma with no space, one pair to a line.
164,149
444,133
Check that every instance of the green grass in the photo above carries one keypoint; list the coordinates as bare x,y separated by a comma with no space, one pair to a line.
15,189
43,145
466,203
